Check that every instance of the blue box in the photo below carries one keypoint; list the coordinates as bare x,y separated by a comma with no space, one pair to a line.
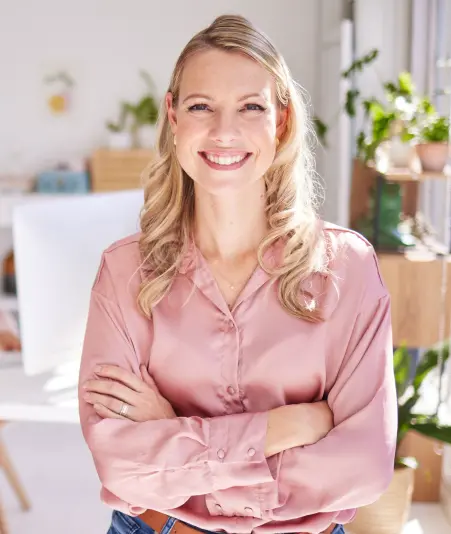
62,181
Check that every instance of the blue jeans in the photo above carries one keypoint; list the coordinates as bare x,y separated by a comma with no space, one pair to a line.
125,524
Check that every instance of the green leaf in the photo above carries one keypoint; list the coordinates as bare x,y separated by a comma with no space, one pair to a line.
367,104
405,416
429,362
433,430
401,363
436,130
391,91
359,64
321,130
406,86
425,106
350,102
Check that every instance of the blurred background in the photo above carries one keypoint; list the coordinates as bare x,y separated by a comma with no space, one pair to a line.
80,87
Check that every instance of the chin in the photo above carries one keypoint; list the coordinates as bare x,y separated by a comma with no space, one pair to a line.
221,185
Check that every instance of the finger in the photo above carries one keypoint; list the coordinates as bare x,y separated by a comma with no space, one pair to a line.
110,403
113,389
121,375
106,413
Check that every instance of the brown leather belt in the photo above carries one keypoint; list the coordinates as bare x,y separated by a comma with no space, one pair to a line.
156,521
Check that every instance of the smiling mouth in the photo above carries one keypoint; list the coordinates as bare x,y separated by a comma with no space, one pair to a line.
225,161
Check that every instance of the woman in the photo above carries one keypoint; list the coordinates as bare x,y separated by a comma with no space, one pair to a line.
216,334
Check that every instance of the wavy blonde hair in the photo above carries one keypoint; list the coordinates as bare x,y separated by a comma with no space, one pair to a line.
291,188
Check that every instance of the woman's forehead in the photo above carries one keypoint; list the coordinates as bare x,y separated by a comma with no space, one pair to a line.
213,72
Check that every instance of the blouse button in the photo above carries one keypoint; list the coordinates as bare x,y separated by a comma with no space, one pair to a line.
249,510
221,454
231,390
251,452
219,508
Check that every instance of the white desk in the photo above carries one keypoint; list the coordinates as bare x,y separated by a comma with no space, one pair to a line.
50,397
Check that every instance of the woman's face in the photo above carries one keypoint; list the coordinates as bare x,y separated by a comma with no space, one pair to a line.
226,121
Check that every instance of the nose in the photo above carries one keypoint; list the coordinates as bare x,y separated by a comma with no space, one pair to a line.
224,127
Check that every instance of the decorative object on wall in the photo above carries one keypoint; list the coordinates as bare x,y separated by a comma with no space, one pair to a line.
61,87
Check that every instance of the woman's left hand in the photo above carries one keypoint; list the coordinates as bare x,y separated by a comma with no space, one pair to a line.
116,387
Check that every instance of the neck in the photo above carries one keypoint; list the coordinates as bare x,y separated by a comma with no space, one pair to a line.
230,226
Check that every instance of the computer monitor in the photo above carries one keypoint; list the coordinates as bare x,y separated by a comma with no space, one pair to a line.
57,247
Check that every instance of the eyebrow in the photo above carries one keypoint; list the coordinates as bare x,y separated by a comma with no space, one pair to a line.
206,97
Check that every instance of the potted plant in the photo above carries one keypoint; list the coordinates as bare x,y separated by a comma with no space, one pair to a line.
145,116
388,128
432,149
119,137
390,512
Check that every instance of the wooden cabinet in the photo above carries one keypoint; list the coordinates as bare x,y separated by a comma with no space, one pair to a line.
114,170
415,289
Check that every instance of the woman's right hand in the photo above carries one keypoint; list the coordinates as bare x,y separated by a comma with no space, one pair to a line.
296,425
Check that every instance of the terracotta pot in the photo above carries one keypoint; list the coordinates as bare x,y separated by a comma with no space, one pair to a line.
390,512
433,156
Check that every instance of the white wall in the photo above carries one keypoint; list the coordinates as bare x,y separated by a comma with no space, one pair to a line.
104,44
384,25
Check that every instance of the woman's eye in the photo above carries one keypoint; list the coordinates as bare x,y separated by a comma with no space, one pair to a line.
198,107
253,107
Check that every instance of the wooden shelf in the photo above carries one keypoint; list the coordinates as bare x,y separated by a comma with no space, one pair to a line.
412,174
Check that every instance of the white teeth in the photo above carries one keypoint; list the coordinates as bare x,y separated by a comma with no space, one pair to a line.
224,160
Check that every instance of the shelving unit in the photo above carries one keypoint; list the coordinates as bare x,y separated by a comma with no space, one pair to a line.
416,279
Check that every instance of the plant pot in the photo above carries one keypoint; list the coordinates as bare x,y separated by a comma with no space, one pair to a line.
399,153
147,136
119,140
390,512
433,156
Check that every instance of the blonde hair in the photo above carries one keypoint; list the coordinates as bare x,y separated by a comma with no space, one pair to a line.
291,189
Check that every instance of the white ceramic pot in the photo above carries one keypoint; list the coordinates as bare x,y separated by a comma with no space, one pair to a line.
119,140
147,136
433,156
400,154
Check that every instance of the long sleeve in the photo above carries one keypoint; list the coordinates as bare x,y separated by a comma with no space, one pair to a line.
160,464
354,463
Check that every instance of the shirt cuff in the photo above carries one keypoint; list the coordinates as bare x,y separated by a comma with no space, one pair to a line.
237,450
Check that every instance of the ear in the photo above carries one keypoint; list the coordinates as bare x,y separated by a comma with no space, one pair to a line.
282,119
172,114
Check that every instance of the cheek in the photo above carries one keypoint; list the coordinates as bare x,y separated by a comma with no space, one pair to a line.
189,126
263,130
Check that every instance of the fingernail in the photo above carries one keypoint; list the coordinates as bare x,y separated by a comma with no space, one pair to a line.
98,369
86,396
